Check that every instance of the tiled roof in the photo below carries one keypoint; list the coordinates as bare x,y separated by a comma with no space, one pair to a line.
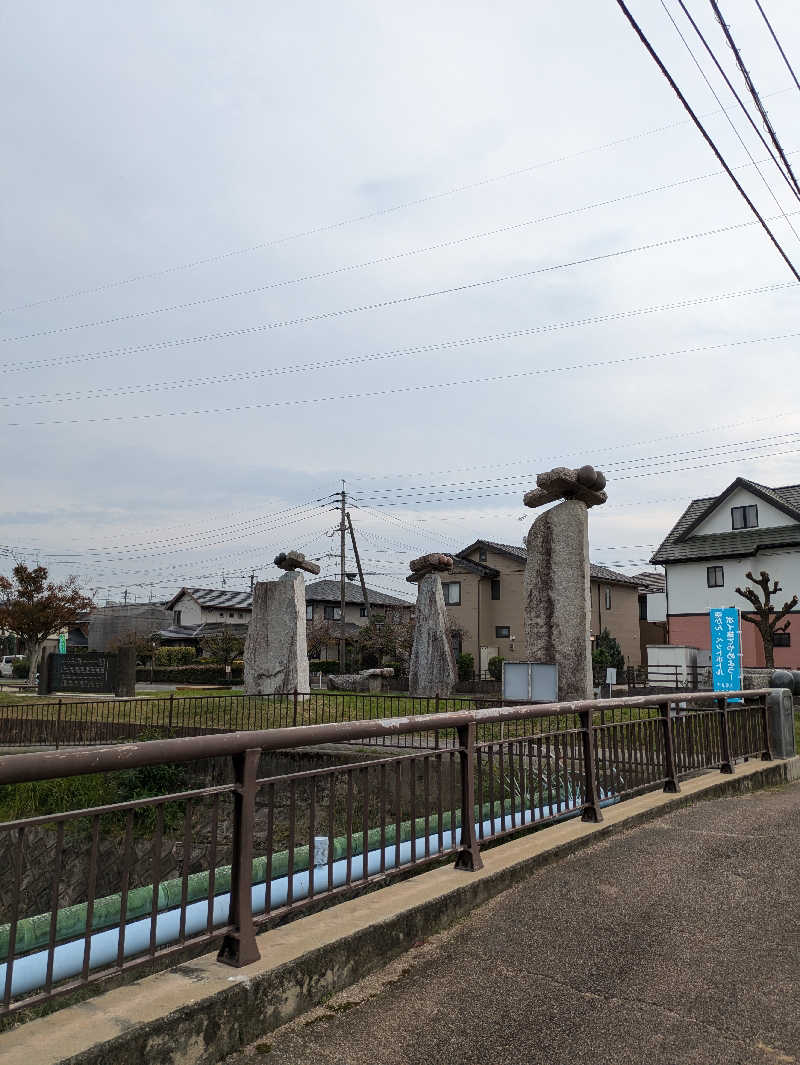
328,591
216,598
651,582
680,545
598,573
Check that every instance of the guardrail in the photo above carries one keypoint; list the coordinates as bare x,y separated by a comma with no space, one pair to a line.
260,847
67,722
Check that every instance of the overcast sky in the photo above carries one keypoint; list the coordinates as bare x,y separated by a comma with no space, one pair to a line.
195,169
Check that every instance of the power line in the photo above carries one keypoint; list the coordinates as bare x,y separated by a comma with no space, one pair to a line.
778,43
706,136
397,301
753,92
730,85
327,227
380,393
349,268
741,104
637,461
237,376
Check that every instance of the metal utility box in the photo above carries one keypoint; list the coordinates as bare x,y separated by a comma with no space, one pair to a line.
530,682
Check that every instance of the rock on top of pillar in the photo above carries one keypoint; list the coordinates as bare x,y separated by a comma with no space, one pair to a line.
585,484
425,564
292,560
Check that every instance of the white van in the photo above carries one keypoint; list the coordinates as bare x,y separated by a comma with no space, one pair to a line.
7,664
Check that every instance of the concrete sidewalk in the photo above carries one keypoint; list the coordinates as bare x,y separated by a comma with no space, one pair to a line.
676,941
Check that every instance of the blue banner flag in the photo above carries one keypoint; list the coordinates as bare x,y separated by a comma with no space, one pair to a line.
726,650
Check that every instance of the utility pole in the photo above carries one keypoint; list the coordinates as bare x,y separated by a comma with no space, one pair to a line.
252,581
342,585
358,567
125,597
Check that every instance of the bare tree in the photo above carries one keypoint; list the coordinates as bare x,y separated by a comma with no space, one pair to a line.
767,620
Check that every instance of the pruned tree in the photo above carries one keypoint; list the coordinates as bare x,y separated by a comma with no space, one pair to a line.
224,647
33,608
767,619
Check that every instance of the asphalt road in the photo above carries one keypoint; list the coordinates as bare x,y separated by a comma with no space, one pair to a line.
675,942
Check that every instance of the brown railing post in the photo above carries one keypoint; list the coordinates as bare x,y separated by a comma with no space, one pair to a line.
469,855
671,783
239,945
591,798
726,765
766,754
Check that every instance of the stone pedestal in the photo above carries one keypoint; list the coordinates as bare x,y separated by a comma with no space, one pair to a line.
126,671
432,670
557,604
275,652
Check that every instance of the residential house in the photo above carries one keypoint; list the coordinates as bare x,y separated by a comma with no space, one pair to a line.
710,549
323,604
652,611
200,612
484,597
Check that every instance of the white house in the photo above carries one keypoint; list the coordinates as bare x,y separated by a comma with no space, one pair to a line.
715,542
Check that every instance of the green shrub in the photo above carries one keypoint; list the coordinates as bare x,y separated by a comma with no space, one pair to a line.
175,656
20,668
495,667
189,674
607,652
323,665
465,664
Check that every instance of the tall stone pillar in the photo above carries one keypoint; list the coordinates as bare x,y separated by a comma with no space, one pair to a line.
275,651
432,669
557,601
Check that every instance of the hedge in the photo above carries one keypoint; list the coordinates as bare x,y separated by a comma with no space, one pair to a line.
323,665
189,675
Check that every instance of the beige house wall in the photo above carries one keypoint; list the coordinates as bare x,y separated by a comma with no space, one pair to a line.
479,615
621,619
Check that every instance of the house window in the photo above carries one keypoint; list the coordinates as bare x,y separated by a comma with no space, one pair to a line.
452,592
715,577
176,617
362,612
744,517
642,608
496,588
332,613
230,613
782,639
502,632
309,611
481,554
607,597
455,643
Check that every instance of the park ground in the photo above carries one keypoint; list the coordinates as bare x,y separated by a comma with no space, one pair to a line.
674,942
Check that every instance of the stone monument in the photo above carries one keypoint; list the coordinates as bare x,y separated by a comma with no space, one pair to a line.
432,670
275,652
557,603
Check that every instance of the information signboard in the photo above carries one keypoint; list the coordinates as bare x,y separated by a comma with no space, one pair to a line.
726,649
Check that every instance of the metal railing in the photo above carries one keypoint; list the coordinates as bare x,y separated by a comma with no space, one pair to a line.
66,722
263,844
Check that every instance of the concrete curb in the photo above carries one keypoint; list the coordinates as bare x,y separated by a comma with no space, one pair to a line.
200,1012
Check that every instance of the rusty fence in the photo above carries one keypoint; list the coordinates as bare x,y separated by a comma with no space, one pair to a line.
72,723
89,891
